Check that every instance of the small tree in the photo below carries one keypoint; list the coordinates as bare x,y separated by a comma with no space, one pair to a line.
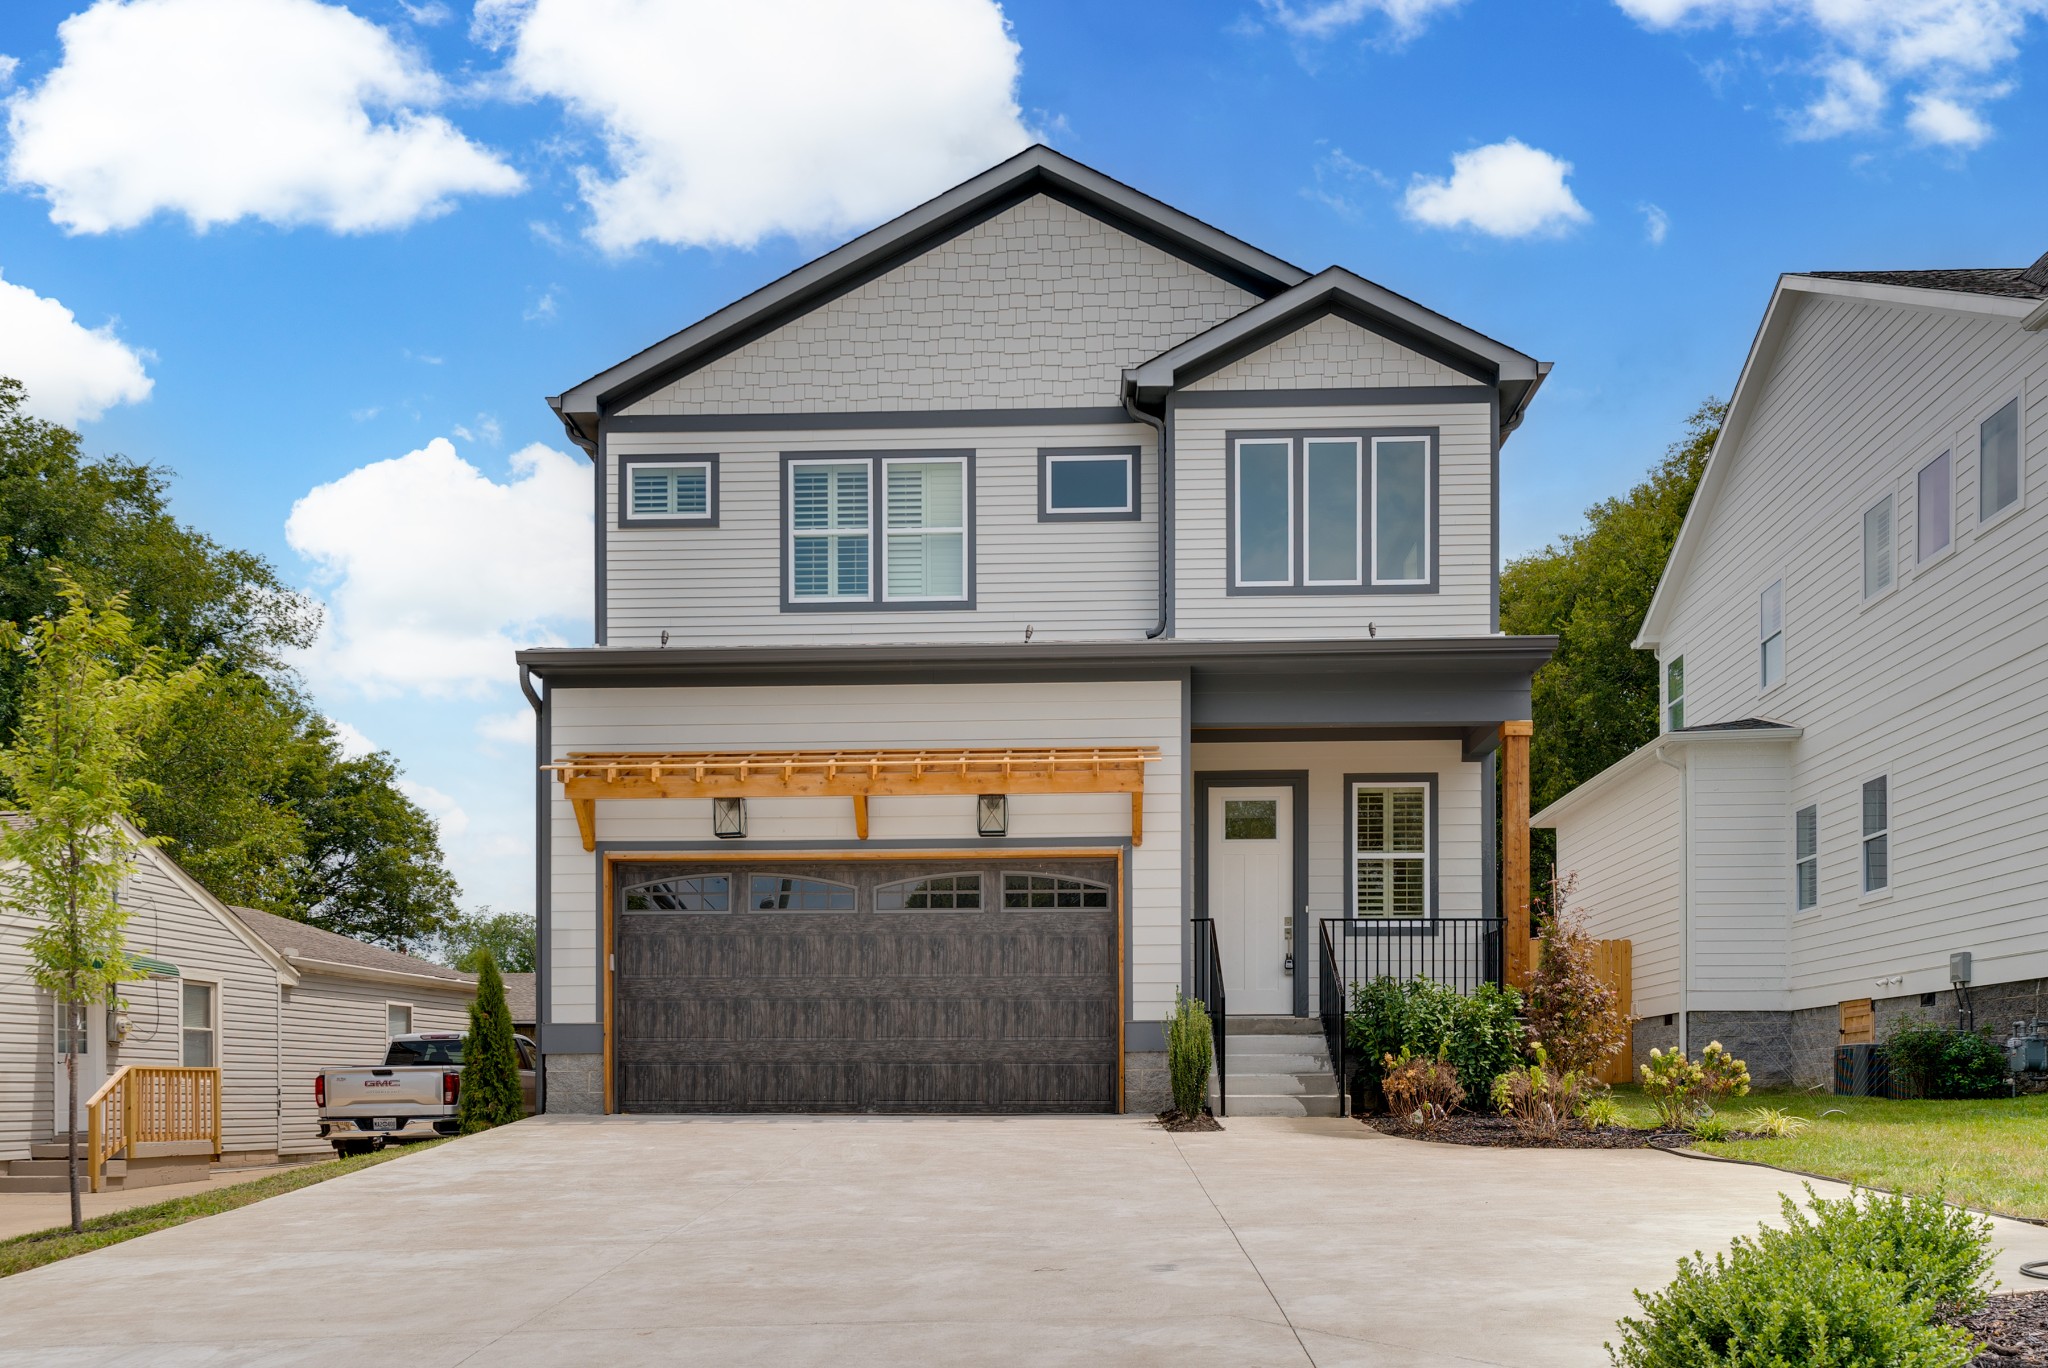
1574,1014
1190,1053
490,1065
92,694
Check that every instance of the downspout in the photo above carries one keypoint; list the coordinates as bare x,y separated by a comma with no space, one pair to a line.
540,883
1684,894
1158,426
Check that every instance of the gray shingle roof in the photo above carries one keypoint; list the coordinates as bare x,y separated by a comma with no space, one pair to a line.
1740,724
2006,282
289,937
519,996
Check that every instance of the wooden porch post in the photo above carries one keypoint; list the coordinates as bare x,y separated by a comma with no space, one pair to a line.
1514,846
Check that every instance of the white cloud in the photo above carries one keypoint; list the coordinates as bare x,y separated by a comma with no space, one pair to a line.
542,310
1656,223
7,68
433,573
486,430
1944,51
727,123
430,15
72,373
289,111
1505,189
446,812
354,745
513,728
1322,18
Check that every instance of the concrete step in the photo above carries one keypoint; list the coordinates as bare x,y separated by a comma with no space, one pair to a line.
1267,1059
54,1149
1272,1104
44,1168
10,1183
1281,1085
1274,1025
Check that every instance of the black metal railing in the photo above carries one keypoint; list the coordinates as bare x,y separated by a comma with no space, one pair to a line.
1333,1001
1209,989
1462,953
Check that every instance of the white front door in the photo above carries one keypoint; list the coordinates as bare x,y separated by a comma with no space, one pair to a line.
1251,896
80,1026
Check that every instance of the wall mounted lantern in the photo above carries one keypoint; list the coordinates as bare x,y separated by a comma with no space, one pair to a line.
728,818
992,814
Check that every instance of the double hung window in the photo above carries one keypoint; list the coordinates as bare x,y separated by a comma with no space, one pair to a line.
1877,548
196,1025
1934,507
829,529
1332,513
920,551
1998,462
1674,694
1770,634
1877,834
1806,857
1390,850
926,529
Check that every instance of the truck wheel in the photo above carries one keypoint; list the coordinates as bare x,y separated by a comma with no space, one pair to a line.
348,1149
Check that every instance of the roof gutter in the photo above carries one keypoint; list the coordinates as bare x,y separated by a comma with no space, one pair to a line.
572,427
1158,425
2038,319
307,964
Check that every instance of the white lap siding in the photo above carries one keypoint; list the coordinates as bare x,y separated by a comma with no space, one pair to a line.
27,1047
332,1021
1110,713
1622,844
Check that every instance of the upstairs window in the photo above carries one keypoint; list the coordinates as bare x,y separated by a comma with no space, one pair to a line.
1877,834
1334,510
914,551
1332,514
1390,845
1877,548
1806,857
1934,507
829,530
668,490
925,532
1088,484
1265,514
1998,462
1771,636
1674,694
1400,511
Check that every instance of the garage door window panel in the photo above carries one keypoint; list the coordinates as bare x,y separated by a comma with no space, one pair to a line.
694,893
934,893
783,893
1052,890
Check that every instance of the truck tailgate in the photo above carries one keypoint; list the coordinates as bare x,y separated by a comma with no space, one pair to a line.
410,1091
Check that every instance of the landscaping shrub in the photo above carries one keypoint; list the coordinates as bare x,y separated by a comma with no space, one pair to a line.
1421,1089
1600,1111
1538,1098
1933,1061
1710,1126
1850,1283
1772,1122
1480,1035
490,1064
1190,1053
1573,1013
1682,1089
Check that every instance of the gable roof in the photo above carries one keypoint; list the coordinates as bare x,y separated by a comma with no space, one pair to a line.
1885,288
520,996
310,947
2004,282
1357,300
1035,170
1743,731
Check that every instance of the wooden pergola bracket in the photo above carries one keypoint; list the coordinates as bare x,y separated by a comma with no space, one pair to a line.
587,777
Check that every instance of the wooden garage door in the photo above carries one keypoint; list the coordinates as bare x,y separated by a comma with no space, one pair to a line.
872,985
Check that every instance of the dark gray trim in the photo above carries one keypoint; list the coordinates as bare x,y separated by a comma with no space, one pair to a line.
627,522
1297,781
853,422
1298,455
1135,456
1407,338
1372,397
1433,852
877,514
600,629
1223,736
1493,507
1489,838
1144,1037
571,1037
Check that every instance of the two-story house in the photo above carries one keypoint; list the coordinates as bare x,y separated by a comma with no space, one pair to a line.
1852,633
982,609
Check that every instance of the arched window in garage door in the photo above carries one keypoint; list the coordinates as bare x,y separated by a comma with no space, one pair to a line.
783,893
692,893
933,893
1052,890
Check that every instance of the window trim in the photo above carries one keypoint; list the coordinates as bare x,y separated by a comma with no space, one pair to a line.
1235,499
1671,702
1298,584
629,520
1431,911
212,1028
875,602
1864,838
389,1034
878,514
1134,465
1984,415
1889,498
1763,685
1947,549
1799,908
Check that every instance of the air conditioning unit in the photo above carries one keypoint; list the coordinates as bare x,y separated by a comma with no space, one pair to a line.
1861,1071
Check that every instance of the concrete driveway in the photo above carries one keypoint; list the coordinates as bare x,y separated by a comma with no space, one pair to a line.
869,1240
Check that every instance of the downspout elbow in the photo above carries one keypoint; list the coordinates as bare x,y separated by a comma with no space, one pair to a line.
1158,426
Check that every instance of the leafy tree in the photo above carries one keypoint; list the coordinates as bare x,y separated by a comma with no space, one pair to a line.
507,937
490,1064
92,693
1597,698
372,866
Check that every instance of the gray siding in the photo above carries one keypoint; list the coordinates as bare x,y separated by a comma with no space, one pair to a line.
1326,353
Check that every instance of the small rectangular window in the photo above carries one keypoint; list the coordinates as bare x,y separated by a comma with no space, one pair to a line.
1998,462
1400,510
1390,848
1674,694
1877,547
1806,856
1022,891
1086,486
397,1020
1771,635
196,1025
925,529
1251,819
1334,510
829,529
1265,513
1934,506
1877,834
668,491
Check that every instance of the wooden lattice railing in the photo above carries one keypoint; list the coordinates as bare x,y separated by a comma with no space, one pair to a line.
147,1105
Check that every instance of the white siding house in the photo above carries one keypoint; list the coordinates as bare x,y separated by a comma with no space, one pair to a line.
1864,566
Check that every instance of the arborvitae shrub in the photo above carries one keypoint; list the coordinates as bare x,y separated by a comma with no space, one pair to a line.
490,1063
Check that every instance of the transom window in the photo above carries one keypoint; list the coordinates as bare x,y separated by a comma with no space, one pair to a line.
920,551
780,893
937,892
668,491
1998,462
1085,485
690,893
1934,506
1806,857
1771,635
1877,547
1390,845
1877,834
1332,513
1674,694
1052,890
196,1026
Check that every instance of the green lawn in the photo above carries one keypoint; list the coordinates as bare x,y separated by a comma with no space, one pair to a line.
24,1252
1990,1155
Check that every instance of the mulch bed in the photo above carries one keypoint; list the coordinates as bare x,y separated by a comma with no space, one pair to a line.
2014,1328
1178,1121
1465,1128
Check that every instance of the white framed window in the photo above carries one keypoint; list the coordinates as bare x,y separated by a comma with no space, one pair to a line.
397,1020
1999,471
1674,694
1806,857
669,490
1877,834
1264,478
1400,510
1878,538
198,1024
930,893
924,554
1088,485
1770,634
1390,849
1934,500
1333,510
830,531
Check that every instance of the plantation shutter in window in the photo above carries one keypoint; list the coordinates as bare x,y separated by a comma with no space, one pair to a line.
1392,831
926,529
829,530
671,491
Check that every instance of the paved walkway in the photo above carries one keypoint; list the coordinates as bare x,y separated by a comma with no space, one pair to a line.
865,1240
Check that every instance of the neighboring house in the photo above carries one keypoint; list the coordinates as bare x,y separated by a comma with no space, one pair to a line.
262,999
519,997
983,606
1850,635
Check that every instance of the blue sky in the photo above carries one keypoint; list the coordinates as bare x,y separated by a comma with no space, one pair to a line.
298,244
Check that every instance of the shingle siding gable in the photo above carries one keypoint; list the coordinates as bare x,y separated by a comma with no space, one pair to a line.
1330,353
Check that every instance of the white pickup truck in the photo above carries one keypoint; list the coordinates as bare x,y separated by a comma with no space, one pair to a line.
411,1096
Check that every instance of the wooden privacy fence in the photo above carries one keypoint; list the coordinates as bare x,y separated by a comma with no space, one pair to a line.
1614,962
147,1105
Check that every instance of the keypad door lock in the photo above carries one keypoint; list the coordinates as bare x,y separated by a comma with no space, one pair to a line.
1287,939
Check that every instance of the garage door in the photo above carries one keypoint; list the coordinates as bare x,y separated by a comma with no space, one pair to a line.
869,985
